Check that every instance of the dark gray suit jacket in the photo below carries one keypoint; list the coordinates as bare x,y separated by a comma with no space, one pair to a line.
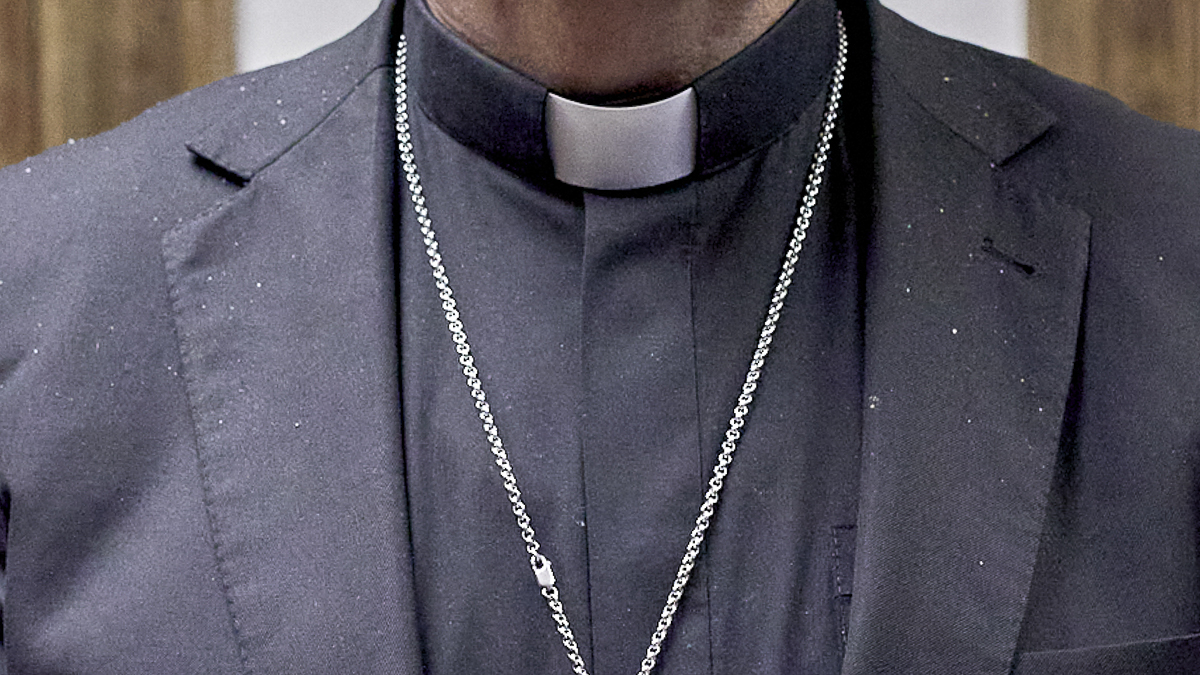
199,438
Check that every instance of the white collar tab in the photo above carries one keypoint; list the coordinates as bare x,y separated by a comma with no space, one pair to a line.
622,148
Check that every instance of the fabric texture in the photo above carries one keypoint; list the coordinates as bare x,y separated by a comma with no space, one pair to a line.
200,424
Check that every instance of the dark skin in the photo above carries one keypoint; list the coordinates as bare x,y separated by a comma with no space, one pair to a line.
610,50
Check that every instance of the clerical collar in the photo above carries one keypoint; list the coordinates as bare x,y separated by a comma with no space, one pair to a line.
737,108
622,148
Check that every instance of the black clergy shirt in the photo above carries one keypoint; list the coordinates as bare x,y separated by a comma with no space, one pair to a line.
613,331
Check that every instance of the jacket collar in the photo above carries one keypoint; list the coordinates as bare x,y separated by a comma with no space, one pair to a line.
971,314
962,87
274,109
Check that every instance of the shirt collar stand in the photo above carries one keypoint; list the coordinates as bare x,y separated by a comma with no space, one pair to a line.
738,107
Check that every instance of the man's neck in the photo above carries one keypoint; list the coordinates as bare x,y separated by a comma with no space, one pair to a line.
610,50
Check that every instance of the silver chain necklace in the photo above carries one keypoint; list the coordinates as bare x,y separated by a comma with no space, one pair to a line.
538,562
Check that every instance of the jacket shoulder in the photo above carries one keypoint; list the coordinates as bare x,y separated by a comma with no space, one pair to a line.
180,155
1091,147
97,208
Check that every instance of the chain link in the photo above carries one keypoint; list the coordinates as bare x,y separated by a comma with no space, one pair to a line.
539,563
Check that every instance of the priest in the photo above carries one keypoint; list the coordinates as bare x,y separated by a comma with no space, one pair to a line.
706,336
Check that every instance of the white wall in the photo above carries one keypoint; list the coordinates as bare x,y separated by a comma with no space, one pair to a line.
270,31
995,24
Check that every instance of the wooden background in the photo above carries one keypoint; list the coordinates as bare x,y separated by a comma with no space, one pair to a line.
72,68
1145,52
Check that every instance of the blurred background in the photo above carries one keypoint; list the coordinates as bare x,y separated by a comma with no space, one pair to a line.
73,68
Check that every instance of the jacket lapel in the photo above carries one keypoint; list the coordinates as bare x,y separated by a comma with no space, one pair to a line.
971,317
284,309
